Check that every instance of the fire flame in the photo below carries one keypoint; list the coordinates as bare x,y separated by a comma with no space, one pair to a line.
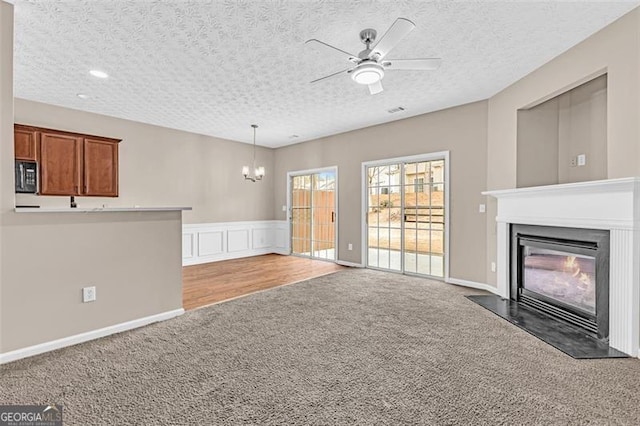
571,265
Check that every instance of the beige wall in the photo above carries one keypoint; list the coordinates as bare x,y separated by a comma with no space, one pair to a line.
6,134
553,133
616,50
538,145
461,130
133,259
582,129
165,167
161,166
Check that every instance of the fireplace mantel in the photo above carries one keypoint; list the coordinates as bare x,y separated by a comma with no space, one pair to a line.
612,204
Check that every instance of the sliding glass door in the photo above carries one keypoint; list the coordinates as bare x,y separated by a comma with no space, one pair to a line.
384,195
313,214
405,216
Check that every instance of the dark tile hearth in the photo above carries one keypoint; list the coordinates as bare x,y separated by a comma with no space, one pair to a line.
565,337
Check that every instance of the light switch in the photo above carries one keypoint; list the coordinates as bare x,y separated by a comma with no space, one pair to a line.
483,208
284,208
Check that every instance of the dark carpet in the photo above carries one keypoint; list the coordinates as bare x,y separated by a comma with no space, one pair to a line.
355,347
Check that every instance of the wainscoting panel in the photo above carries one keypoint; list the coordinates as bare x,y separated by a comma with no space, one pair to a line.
211,242
281,238
237,240
262,238
187,245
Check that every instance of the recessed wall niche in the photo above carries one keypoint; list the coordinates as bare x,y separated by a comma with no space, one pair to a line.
554,136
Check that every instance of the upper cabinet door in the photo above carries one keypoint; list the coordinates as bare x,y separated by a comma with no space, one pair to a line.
24,143
60,164
100,168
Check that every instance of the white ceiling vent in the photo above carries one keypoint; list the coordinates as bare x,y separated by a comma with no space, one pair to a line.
396,109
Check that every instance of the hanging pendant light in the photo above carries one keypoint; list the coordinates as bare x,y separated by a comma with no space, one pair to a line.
258,172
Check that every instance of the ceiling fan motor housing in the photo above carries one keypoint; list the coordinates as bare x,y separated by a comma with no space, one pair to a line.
368,36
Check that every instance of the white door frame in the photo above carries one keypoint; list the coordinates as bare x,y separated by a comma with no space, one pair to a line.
441,155
291,174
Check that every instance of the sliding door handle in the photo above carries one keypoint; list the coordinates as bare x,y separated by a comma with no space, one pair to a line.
333,217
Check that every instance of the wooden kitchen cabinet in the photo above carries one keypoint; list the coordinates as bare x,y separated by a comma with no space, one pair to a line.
100,168
76,164
25,141
60,164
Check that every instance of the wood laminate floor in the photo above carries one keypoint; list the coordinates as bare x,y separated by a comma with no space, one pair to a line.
217,281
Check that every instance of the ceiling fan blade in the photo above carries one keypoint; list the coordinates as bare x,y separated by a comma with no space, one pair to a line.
330,75
375,88
324,46
412,64
391,38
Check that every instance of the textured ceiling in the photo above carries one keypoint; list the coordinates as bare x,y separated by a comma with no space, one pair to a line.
215,67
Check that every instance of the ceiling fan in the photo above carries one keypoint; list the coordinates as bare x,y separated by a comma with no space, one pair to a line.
370,64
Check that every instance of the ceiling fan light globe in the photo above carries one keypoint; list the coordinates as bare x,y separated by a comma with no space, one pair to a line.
368,74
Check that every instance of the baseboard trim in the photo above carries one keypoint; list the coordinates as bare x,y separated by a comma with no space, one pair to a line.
282,251
85,337
226,256
349,264
472,284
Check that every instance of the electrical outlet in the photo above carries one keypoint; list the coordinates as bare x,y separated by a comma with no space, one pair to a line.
88,294
582,160
573,162
349,246
493,266
483,208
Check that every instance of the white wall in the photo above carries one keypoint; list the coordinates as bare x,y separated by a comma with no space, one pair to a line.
212,242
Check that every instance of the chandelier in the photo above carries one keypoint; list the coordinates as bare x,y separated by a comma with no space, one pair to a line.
258,172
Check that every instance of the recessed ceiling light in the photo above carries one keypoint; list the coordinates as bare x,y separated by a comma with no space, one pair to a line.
98,73
82,96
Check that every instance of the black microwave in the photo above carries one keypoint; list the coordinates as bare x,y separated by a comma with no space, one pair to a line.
26,177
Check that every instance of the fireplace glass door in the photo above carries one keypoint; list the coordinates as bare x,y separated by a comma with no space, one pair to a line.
563,272
566,278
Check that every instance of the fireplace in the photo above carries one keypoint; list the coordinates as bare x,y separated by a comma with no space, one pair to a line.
611,205
563,272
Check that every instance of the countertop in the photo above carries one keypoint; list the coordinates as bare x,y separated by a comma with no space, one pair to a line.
95,209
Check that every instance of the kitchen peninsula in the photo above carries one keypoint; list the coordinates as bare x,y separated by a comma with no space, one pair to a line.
130,255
